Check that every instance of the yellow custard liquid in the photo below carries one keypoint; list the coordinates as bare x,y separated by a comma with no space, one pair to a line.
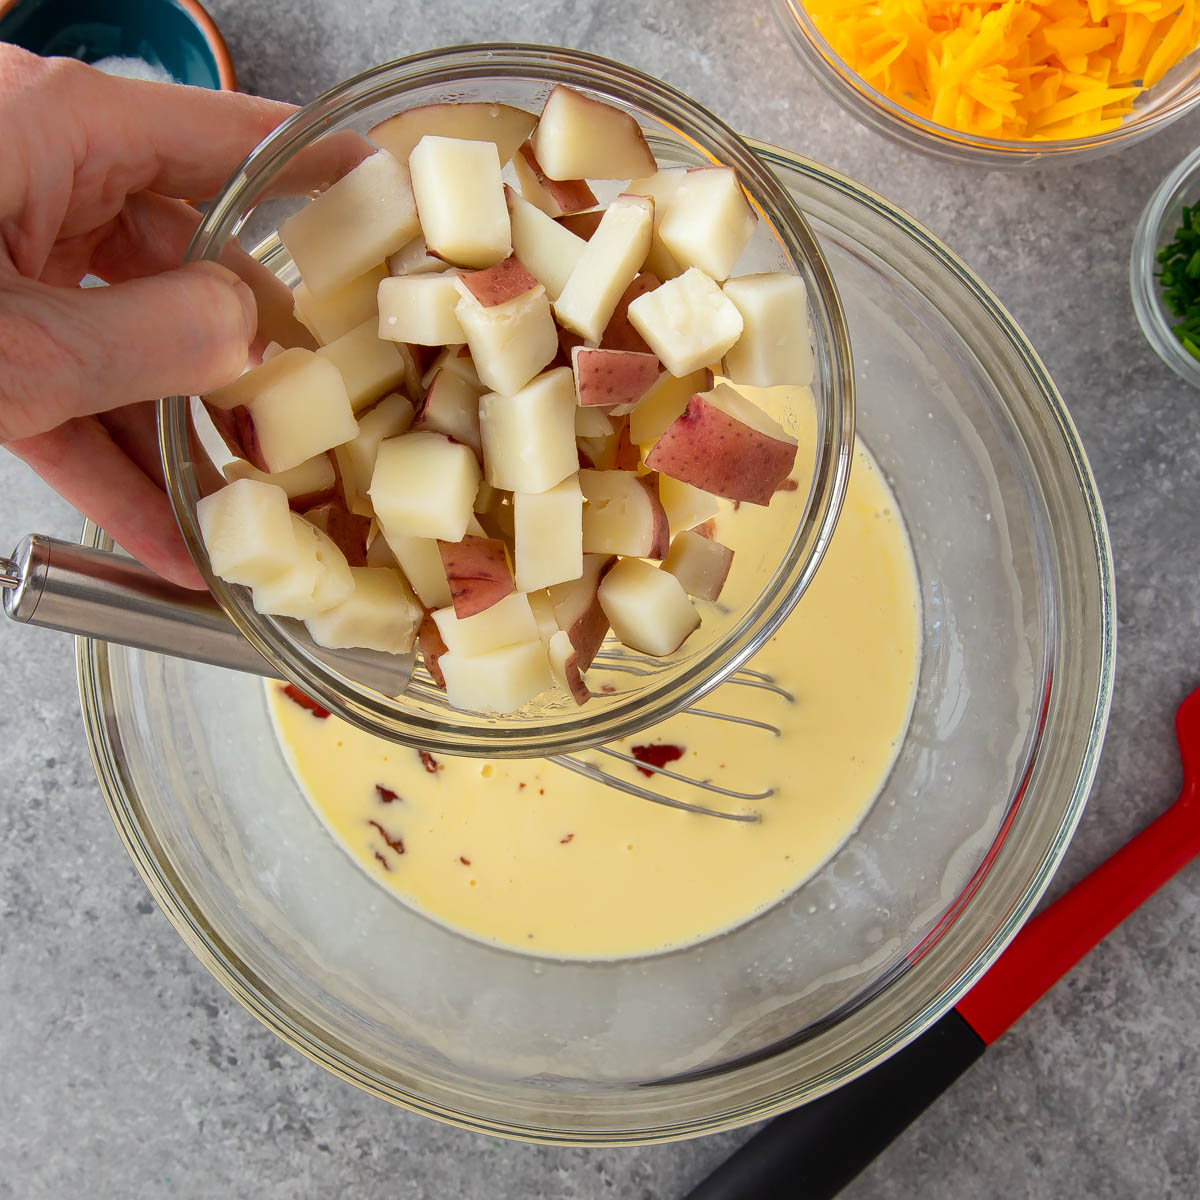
528,855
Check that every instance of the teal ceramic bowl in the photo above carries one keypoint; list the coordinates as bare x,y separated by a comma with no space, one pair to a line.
175,35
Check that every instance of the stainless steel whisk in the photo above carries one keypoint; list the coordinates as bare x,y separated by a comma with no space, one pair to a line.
93,593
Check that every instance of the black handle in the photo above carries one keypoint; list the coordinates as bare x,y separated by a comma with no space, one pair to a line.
812,1152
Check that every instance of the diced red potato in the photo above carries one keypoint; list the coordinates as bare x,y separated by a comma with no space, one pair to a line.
582,224
709,221
509,342
381,613
661,406
547,249
369,366
499,284
452,407
685,506
317,579
503,624
421,561
607,266
580,138
500,680
312,482
419,309
460,200
564,662
245,437
478,573
662,185
249,383
774,347
457,360
626,455
339,312
353,225
548,535
424,485
391,417
622,515
529,437
688,322
415,259
304,413
471,120
700,564
612,377
727,446
348,531
429,642
556,198
577,609
647,608
619,333
593,422
247,531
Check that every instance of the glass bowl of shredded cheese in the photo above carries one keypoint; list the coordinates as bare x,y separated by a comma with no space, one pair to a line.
1003,82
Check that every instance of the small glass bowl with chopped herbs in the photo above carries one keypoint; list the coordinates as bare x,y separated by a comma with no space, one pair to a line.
1165,270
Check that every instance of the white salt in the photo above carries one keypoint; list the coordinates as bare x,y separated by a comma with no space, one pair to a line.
134,68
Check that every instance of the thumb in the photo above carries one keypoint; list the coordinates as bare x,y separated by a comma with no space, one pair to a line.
70,352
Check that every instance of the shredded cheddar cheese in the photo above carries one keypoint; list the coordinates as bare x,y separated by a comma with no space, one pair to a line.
1012,69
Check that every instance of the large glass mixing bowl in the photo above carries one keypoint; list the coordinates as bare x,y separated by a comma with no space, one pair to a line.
1016,673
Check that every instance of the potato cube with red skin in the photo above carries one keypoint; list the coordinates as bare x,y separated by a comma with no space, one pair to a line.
421,561
619,333
341,311
460,200
725,445
577,609
312,482
688,322
700,564
709,221
452,407
547,249
468,120
612,377
381,613
478,573
424,485
505,623
664,403
391,417
348,531
564,662
685,506
647,608
500,680
581,138
505,315
353,225
304,413
247,531
246,387
415,259
555,197
774,347
529,437
627,456
622,515
419,309
548,535
607,266
317,579
429,642
369,366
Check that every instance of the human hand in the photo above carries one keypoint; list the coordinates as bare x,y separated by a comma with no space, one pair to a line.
95,175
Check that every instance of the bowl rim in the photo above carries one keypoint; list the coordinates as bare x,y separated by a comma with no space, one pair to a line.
444,730
953,966
1156,222
883,114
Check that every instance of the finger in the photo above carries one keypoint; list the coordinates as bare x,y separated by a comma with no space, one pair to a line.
85,466
68,352
134,429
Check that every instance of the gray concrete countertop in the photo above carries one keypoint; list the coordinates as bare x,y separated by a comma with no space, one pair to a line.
125,1071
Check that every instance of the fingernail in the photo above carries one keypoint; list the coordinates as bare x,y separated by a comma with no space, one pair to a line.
249,308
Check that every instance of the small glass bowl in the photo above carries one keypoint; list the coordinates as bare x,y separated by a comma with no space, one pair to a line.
278,177
1156,228
1171,98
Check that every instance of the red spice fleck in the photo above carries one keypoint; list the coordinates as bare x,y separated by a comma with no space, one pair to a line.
541,791
396,844
379,858
788,485
608,687
294,694
430,763
466,862
706,529
521,786
656,756
566,840
386,795
736,505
